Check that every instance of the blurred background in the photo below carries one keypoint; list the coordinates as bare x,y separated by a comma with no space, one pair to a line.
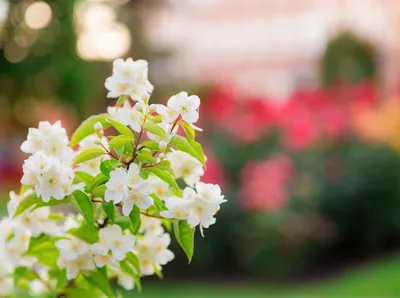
301,113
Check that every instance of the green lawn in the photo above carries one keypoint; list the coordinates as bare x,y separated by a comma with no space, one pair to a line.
380,279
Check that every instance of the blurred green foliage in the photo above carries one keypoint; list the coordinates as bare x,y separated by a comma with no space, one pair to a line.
348,58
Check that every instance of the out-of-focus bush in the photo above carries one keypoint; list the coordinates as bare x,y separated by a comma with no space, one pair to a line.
310,182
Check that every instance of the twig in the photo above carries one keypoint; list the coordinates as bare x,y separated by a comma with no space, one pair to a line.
151,215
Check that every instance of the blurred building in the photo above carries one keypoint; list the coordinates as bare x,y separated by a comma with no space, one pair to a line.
267,47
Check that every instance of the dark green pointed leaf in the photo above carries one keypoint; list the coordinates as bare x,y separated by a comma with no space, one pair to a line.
135,219
85,207
184,234
109,210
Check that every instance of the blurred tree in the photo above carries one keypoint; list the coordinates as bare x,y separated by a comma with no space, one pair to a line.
348,59
42,62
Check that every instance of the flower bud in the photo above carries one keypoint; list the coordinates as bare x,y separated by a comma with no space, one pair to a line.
161,156
97,142
152,108
98,127
162,146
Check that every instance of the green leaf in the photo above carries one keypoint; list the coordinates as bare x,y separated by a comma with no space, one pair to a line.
51,203
123,222
79,293
88,155
184,234
98,192
158,272
98,279
158,203
133,259
188,130
121,100
107,166
85,233
163,175
153,128
109,210
120,141
100,179
135,219
183,144
136,277
24,188
61,279
29,201
87,128
122,129
85,207
146,156
83,177
150,145
197,146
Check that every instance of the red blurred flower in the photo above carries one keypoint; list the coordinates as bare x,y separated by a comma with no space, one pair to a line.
264,184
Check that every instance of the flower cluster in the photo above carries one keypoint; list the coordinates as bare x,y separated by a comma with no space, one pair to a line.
125,188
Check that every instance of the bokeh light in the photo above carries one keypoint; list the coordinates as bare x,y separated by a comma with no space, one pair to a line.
38,15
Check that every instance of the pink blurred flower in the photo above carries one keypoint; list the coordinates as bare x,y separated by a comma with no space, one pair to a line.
214,173
264,184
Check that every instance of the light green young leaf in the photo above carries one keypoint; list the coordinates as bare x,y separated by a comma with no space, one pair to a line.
98,279
190,133
83,177
85,233
150,145
87,128
99,191
163,175
122,129
85,207
120,141
197,146
135,219
51,203
184,234
158,272
183,144
153,128
97,181
158,203
133,259
29,201
88,155
123,222
121,100
136,277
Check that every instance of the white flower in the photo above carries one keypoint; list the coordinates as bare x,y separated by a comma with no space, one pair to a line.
36,164
185,166
138,198
127,115
19,243
72,221
150,225
104,259
162,254
129,78
152,251
14,202
210,193
111,238
168,133
83,262
50,139
159,187
180,105
117,186
51,183
71,249
37,222
201,214
134,179
125,281
6,280
177,208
